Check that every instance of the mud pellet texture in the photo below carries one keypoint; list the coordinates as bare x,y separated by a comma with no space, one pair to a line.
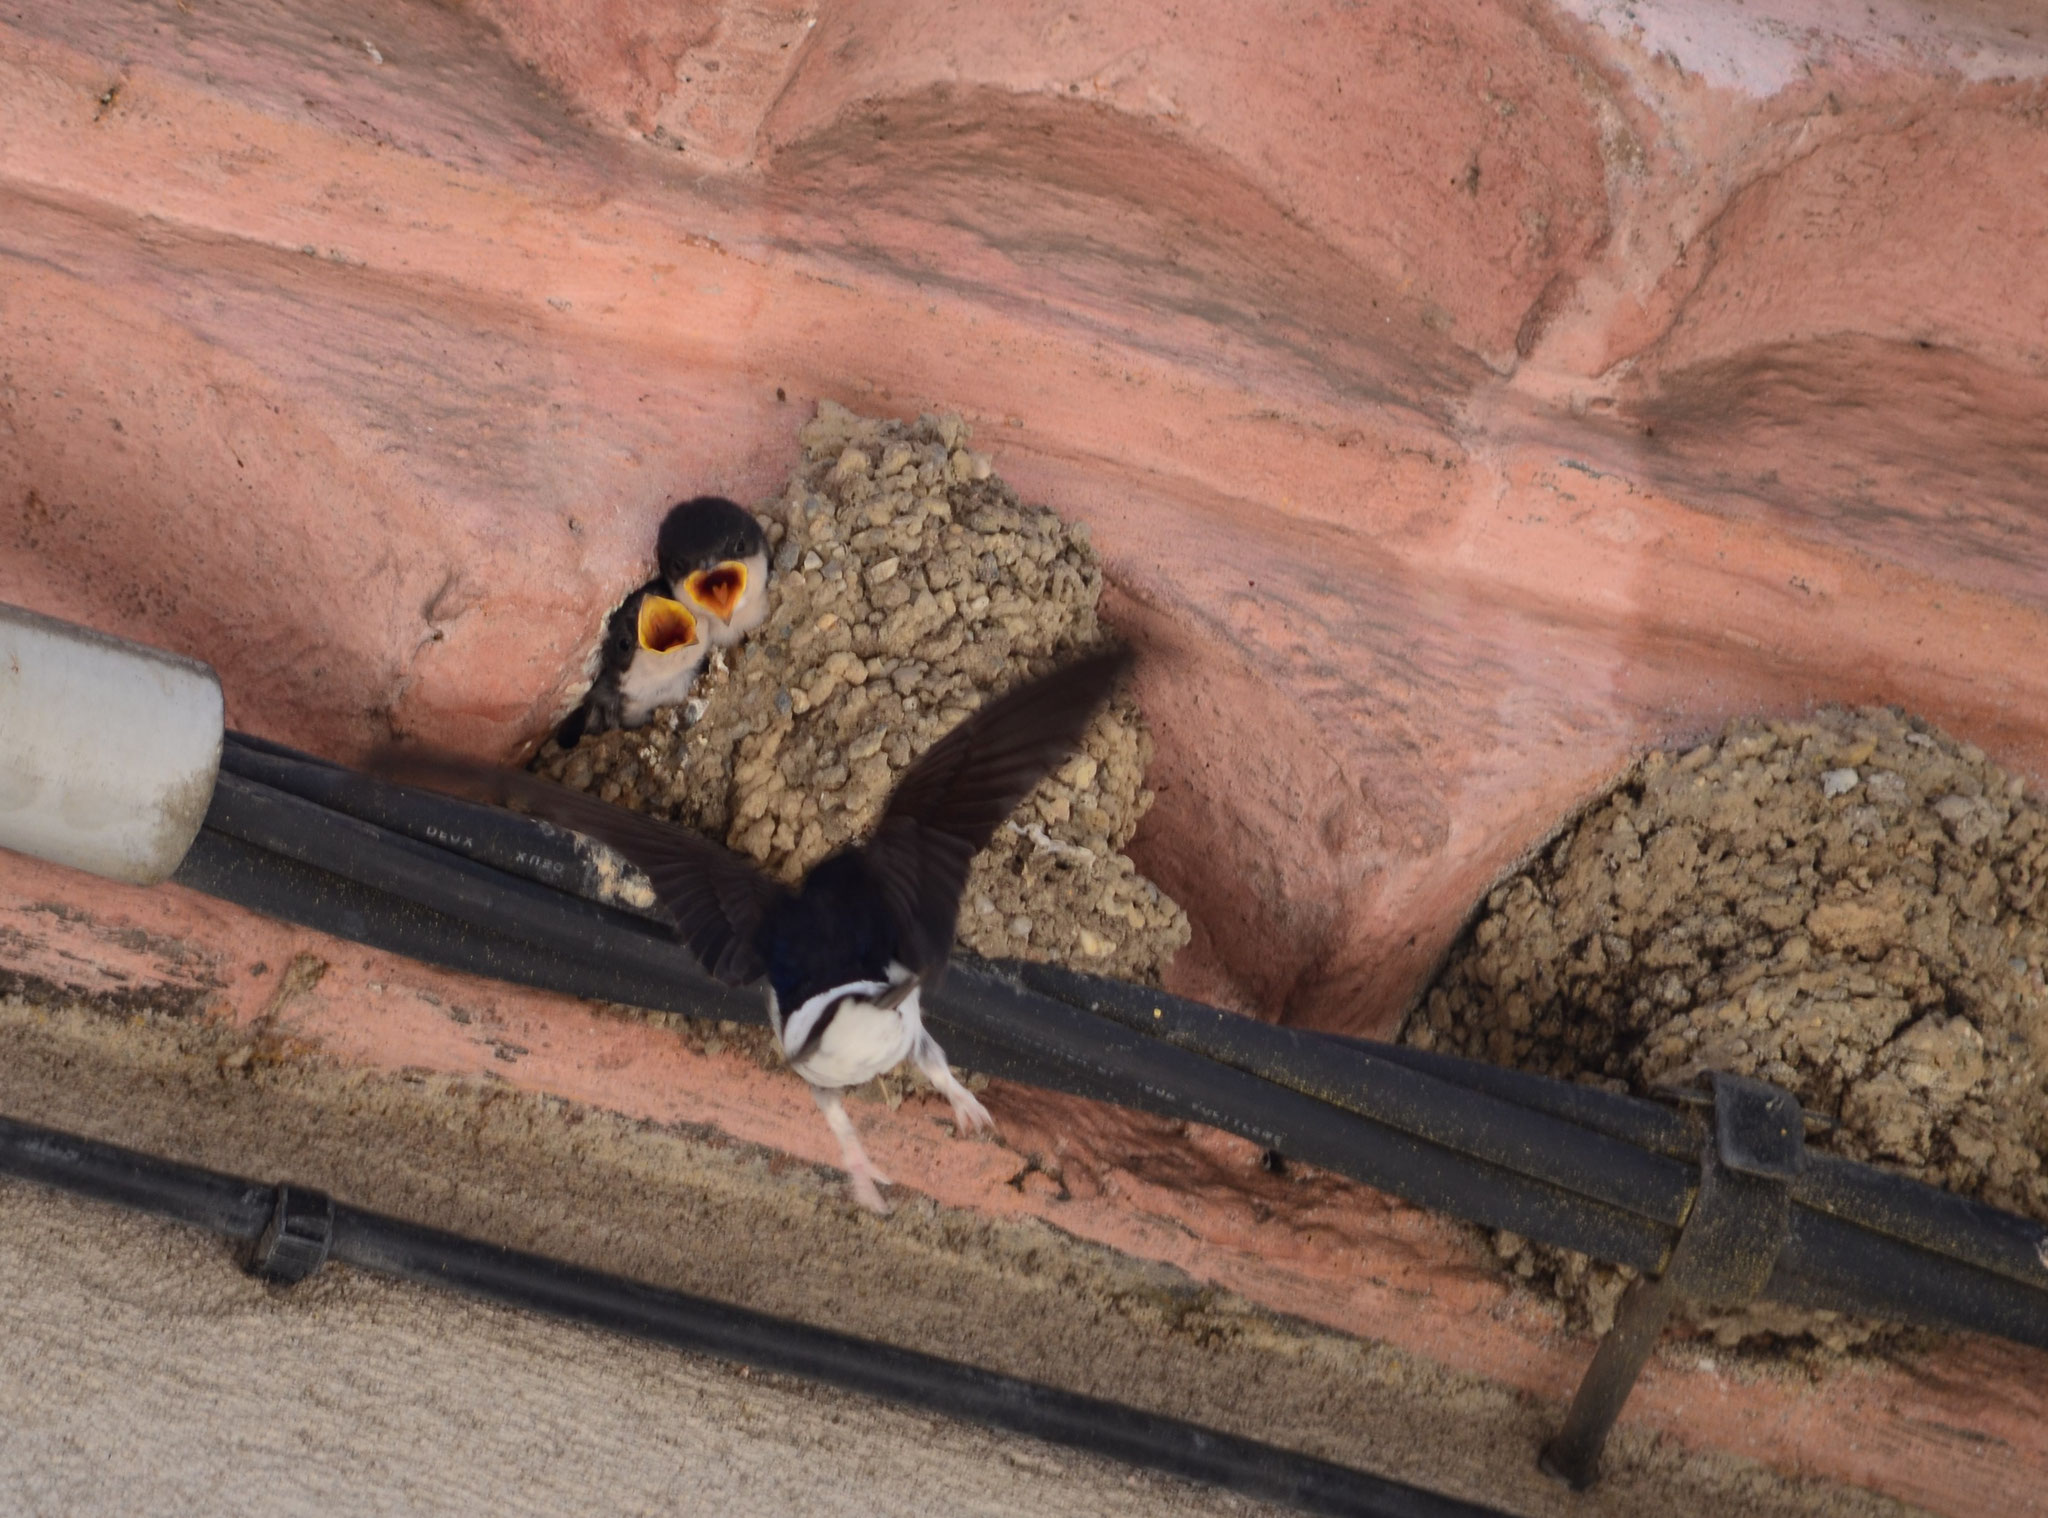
909,584
1850,905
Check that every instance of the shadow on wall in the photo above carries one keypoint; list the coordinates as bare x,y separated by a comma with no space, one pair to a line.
1141,241
1929,457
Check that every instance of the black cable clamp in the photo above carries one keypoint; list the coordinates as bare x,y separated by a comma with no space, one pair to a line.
295,1241
1731,1238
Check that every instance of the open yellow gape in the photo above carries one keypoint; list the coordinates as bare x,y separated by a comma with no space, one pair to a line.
665,625
720,589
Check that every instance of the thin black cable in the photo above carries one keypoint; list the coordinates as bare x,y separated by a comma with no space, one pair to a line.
449,883
488,835
252,876
239,1209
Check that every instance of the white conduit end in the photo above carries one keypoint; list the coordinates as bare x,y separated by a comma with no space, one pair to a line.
108,749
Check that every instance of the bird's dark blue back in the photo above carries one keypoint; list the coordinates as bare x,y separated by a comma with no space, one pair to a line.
836,929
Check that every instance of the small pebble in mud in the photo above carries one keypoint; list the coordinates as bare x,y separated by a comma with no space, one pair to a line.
917,584
1853,906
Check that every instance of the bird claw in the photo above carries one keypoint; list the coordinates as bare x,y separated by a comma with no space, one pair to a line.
864,1191
969,1116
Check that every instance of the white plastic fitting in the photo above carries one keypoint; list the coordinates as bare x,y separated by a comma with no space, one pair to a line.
108,749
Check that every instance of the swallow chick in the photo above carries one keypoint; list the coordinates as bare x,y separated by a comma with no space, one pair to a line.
716,556
653,648
847,952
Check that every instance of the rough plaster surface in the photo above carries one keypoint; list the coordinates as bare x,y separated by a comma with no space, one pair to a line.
124,1340
1959,1426
1764,48
144,1373
1463,398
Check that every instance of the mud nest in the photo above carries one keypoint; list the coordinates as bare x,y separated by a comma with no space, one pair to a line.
910,583
1850,906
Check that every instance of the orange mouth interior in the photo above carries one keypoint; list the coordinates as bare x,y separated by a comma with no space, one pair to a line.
665,625
719,590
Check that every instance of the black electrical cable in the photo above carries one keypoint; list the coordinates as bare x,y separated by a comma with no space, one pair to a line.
1927,1217
1610,1172
1645,1124
1309,1059
254,812
240,1210
128,1178
475,894
1350,1073
423,873
1354,1078
1038,1037
1607,1174
1830,1262
237,870
437,927
488,835
1175,1082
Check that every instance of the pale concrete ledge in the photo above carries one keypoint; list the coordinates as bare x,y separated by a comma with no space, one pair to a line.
426,1395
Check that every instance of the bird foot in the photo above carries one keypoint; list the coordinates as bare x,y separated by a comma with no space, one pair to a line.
865,1193
861,1172
969,1116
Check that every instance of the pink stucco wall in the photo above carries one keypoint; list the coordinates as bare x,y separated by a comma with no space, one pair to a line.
1475,392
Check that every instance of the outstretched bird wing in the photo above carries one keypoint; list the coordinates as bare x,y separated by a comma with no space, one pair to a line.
715,897
949,804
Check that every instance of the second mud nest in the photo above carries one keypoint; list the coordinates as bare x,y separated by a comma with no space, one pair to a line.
1853,906
909,584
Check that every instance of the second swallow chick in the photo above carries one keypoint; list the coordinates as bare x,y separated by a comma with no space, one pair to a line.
653,648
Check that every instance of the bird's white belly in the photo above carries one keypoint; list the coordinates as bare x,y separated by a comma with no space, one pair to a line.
861,1042
653,680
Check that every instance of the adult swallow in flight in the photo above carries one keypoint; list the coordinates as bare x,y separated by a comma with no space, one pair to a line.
847,952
